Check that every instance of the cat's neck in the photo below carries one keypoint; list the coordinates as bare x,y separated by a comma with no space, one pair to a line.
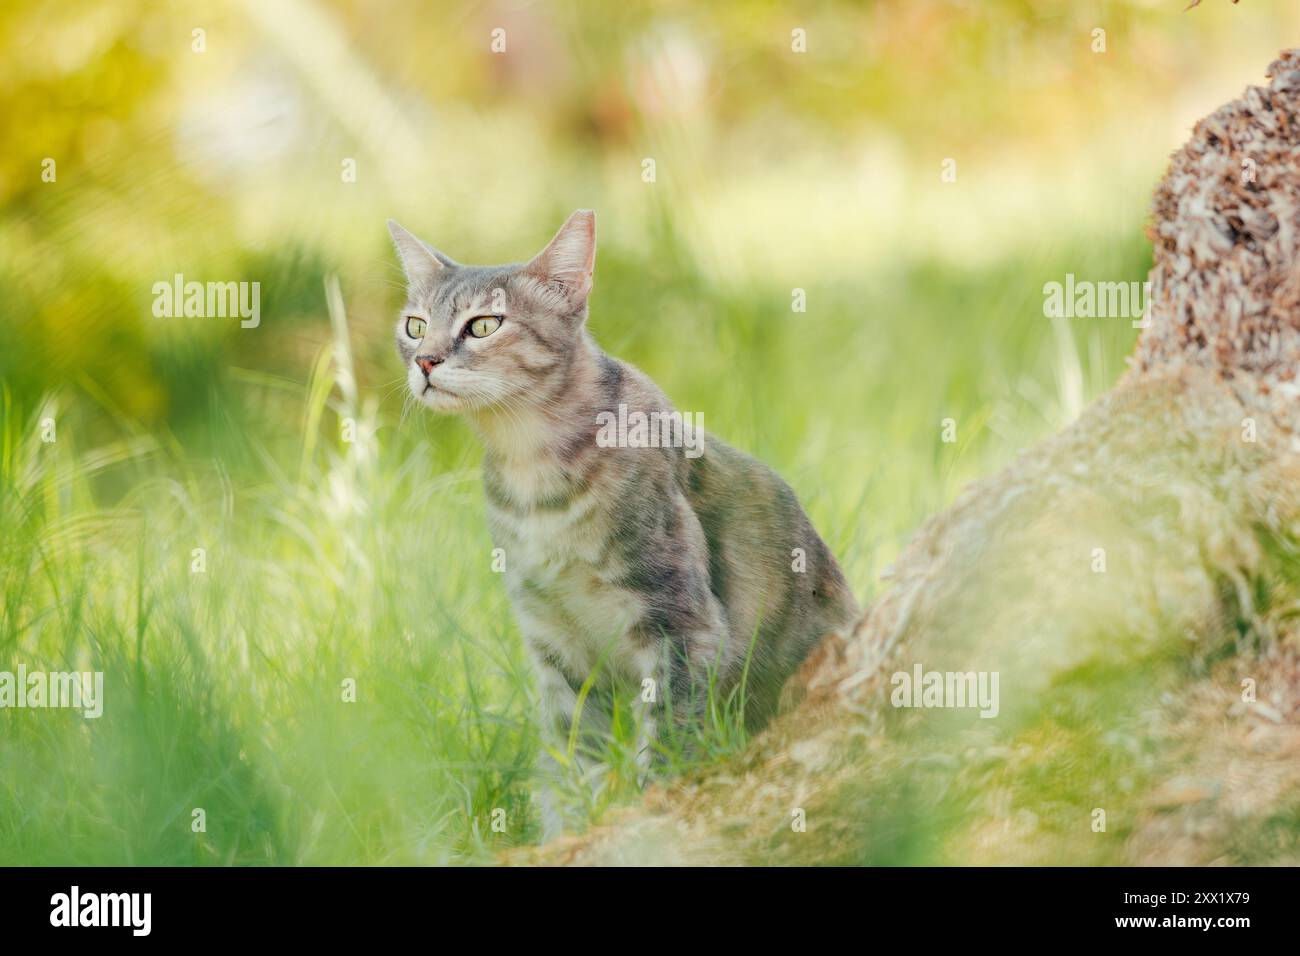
539,429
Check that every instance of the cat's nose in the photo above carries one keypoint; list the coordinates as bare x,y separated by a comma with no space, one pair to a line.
427,362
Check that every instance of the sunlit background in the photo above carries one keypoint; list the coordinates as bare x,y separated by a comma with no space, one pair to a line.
918,169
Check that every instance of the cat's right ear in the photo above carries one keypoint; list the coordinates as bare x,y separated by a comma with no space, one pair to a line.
421,264
568,260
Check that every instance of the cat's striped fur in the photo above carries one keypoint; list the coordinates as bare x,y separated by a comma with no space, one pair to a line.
642,562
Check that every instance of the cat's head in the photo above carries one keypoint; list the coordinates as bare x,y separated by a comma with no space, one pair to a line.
479,337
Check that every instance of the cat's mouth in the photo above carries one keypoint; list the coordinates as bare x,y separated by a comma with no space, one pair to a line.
439,390
439,397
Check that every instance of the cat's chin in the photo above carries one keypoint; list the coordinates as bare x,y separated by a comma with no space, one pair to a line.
442,401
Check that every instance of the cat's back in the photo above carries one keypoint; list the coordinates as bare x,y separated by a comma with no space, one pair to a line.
759,537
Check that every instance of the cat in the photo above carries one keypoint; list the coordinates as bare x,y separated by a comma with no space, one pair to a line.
665,570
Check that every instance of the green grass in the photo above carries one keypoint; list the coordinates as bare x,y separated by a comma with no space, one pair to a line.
327,562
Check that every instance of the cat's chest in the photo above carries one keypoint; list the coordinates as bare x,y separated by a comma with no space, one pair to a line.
562,560
564,581
543,518
571,607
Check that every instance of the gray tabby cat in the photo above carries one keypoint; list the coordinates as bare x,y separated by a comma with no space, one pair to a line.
646,564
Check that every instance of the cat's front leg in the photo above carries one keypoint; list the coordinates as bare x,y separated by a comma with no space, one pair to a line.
679,669
559,801
647,707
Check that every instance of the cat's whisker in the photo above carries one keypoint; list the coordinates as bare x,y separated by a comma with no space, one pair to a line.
388,392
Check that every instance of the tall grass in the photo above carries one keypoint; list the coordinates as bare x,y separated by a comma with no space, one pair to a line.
234,577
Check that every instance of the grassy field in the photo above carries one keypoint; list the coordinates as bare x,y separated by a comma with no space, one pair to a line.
324,560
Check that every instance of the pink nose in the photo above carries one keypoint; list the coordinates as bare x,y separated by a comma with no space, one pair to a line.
427,362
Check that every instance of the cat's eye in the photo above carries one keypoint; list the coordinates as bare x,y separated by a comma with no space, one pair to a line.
415,326
484,326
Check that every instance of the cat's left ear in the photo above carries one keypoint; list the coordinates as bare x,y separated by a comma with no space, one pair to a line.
421,262
569,259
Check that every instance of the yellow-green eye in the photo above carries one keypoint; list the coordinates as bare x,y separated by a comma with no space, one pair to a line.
415,326
484,326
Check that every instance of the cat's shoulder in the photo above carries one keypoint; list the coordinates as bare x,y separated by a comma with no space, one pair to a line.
631,386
